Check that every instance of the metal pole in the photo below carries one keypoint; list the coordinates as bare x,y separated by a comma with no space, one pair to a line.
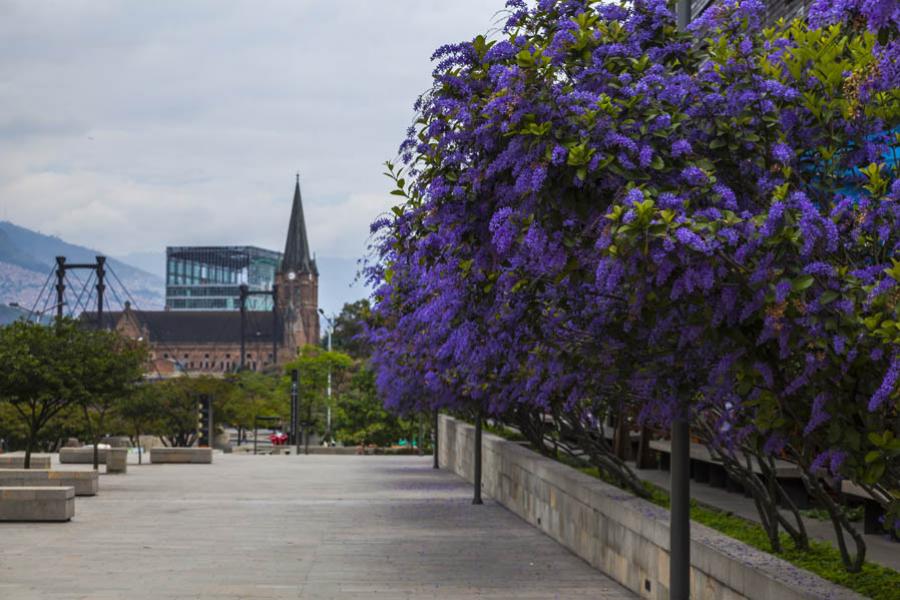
243,290
60,286
275,324
328,408
435,440
295,376
306,427
683,14
255,434
680,473
101,273
680,512
477,498
420,450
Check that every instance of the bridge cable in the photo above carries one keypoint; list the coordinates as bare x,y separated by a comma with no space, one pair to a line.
41,293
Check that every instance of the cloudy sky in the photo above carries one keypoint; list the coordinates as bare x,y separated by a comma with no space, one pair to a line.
128,126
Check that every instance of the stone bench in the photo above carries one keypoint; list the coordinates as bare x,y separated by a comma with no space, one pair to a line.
706,468
37,503
115,459
872,510
16,460
181,455
86,483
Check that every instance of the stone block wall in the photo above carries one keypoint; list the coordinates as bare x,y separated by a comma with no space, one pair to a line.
16,460
85,483
181,455
622,535
37,503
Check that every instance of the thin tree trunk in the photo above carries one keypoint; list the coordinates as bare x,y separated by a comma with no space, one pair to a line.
94,440
853,564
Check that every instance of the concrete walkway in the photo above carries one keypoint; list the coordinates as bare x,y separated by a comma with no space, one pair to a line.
368,527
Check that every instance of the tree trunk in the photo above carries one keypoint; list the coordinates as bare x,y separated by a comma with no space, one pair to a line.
852,563
644,459
94,440
28,448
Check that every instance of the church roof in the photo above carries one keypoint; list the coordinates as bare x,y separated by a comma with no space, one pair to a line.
195,326
296,248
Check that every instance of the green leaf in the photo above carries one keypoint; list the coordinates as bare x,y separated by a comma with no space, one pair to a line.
874,473
873,456
828,297
801,283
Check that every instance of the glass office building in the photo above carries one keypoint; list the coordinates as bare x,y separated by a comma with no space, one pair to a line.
208,277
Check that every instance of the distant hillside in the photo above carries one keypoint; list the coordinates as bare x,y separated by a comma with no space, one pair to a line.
8,314
28,257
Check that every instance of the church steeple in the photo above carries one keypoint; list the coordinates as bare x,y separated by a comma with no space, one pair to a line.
296,249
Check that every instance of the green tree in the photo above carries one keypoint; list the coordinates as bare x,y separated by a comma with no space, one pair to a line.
360,416
313,365
253,394
349,326
179,407
111,365
141,410
39,374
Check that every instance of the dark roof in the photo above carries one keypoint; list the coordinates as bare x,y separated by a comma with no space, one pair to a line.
196,327
296,247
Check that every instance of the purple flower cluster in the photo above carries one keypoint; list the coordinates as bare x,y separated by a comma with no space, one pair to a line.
600,212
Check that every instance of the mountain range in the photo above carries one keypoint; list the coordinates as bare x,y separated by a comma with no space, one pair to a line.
28,261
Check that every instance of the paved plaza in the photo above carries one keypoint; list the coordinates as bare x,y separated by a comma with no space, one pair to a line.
265,527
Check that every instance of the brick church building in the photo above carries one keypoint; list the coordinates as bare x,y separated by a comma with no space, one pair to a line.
210,341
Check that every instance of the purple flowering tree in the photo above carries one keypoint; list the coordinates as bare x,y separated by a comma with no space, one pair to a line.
603,216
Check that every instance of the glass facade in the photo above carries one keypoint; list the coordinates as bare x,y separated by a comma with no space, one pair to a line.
208,277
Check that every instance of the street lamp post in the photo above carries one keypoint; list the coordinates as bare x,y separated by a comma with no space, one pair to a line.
680,471
328,389
38,315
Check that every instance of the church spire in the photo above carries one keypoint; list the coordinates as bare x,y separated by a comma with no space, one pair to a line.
296,248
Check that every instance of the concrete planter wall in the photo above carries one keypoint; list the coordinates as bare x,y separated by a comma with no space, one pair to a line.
622,535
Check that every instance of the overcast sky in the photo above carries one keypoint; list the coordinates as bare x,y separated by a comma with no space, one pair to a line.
128,126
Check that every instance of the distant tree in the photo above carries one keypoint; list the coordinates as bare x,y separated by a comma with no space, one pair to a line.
313,365
141,411
360,416
180,404
349,326
39,378
110,367
253,394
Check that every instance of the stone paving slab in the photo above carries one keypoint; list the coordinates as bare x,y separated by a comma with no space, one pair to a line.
277,527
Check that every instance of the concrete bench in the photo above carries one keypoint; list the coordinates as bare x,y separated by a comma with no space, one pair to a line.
86,483
873,511
115,459
181,455
706,468
16,460
37,503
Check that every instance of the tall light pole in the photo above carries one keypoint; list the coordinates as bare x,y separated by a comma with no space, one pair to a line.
680,469
328,391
